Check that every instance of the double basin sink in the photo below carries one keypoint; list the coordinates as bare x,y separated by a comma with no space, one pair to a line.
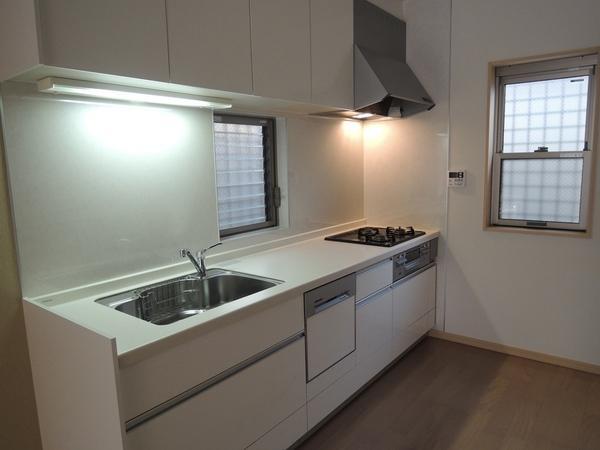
176,299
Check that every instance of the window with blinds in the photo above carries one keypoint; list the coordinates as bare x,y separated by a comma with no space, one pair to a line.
541,167
247,194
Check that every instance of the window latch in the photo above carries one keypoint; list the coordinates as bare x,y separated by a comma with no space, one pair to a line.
541,150
277,196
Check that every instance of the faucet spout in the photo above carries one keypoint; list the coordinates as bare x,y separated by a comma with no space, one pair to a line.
199,265
184,252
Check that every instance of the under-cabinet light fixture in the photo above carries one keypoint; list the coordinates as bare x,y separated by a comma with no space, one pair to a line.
363,116
131,94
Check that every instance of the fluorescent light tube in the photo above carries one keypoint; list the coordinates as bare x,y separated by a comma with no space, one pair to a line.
138,95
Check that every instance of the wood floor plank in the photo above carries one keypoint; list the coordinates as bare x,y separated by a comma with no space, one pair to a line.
444,395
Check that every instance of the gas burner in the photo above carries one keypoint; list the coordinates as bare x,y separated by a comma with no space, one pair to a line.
367,231
382,237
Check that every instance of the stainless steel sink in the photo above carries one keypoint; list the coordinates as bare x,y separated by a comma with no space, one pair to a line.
183,297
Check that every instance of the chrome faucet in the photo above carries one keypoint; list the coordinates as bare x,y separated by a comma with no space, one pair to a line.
199,265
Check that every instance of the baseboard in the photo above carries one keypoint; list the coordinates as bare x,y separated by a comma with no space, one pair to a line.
514,351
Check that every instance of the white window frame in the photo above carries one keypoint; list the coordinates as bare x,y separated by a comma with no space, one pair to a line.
584,65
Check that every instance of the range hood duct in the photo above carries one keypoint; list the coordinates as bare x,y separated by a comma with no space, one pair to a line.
384,85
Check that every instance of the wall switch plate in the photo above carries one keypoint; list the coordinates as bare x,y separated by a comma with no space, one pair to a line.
457,178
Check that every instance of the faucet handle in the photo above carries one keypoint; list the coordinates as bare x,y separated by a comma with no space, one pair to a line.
204,250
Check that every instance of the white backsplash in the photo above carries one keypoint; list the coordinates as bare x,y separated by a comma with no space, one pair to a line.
102,189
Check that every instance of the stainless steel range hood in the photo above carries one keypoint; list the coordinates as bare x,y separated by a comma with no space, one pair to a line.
384,85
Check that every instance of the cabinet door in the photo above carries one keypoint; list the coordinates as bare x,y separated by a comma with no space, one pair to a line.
412,299
120,37
233,413
281,48
332,53
209,44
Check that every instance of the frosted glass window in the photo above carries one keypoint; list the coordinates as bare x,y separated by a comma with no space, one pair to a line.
244,173
547,189
544,139
546,113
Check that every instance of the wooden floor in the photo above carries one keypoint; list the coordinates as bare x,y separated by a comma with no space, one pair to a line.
444,395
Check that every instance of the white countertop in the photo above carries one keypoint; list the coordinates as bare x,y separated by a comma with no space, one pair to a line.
302,266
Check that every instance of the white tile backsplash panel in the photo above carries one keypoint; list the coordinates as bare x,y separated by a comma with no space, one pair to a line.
104,189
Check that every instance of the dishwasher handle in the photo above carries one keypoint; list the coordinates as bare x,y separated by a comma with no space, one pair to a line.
321,304
328,295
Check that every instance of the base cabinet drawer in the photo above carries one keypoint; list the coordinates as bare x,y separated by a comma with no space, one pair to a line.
374,278
413,303
411,334
327,401
234,413
373,363
158,378
414,297
284,434
373,323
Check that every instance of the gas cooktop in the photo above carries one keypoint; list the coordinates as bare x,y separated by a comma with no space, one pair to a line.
381,237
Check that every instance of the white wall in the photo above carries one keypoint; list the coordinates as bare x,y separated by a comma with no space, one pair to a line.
540,293
406,159
104,189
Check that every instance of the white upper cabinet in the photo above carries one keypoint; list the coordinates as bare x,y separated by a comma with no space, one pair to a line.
118,37
281,48
296,50
209,44
331,27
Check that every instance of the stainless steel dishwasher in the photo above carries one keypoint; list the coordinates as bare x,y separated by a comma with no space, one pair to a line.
330,324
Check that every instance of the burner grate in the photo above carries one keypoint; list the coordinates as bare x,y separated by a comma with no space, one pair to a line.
378,236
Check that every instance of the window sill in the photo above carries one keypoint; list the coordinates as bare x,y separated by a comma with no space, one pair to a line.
537,231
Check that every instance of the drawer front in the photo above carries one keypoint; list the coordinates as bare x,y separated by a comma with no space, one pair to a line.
373,323
327,401
173,371
231,414
330,376
413,298
408,336
284,434
373,363
374,278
